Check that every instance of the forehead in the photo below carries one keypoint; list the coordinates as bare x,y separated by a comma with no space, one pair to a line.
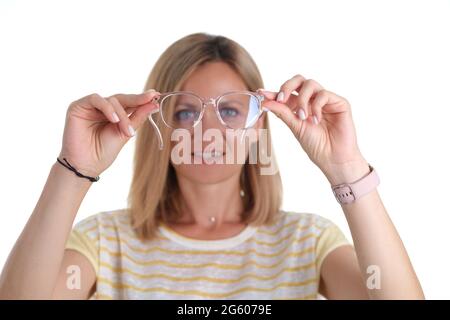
213,79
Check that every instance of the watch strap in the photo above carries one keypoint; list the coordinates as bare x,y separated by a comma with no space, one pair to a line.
349,192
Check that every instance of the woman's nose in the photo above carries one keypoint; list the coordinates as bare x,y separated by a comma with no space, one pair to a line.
209,119
210,123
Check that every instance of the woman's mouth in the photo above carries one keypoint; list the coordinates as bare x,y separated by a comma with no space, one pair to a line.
208,155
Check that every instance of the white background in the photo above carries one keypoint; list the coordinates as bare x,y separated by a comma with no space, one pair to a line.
390,59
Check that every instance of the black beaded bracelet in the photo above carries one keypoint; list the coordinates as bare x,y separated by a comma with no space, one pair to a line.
69,166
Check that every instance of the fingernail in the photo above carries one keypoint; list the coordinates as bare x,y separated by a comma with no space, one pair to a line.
265,109
131,130
115,117
315,120
302,114
280,96
150,91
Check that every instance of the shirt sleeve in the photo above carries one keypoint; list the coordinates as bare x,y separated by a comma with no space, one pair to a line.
84,239
330,238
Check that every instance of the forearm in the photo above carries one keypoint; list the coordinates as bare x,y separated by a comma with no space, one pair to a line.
377,242
34,263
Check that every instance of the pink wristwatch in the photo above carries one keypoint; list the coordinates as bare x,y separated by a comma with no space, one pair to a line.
349,192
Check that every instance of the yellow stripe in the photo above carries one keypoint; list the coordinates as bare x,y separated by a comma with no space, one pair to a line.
307,297
114,239
273,233
272,244
121,230
239,253
113,228
88,229
94,227
220,266
208,279
123,222
208,252
101,296
226,252
121,286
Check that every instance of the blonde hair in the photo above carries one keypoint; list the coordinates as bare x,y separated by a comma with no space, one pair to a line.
154,194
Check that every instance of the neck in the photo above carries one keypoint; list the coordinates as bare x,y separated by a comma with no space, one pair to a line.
211,205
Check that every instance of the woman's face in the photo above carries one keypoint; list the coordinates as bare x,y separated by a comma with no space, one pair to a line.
209,81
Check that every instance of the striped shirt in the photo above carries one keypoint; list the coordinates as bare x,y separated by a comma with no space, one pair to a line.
277,261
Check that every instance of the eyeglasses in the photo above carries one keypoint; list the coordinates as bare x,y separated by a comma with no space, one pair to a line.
184,109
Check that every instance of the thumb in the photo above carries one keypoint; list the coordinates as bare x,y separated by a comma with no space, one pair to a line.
138,117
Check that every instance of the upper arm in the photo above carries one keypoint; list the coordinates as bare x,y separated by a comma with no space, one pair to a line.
340,275
76,278
78,273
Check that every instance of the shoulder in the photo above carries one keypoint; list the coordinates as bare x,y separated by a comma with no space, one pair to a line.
93,225
307,229
286,221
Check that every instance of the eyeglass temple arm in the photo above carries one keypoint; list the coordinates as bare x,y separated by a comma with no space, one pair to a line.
150,118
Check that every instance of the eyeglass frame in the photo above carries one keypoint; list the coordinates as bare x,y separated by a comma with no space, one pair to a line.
215,101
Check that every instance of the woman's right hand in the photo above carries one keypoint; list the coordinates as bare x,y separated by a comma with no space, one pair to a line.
97,128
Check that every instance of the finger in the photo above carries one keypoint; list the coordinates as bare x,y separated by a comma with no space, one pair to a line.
268,94
101,104
289,86
291,102
306,91
134,100
124,124
327,102
319,101
141,113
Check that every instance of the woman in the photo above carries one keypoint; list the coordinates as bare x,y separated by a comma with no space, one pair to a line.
206,230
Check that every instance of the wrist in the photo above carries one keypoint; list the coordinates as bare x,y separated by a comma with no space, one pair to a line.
69,178
71,164
347,172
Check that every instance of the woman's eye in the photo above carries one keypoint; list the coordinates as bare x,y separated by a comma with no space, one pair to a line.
228,112
185,115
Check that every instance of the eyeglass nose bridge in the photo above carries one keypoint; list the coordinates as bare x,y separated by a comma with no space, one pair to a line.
213,103
209,101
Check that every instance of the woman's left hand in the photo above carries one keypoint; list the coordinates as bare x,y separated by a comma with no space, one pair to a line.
322,123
